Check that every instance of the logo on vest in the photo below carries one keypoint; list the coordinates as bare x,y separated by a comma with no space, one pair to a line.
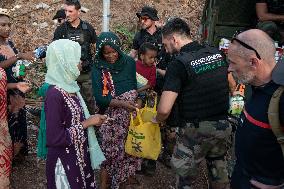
207,63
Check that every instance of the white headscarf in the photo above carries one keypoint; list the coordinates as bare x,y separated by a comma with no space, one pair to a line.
62,59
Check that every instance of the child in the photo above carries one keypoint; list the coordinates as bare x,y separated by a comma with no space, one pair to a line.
145,66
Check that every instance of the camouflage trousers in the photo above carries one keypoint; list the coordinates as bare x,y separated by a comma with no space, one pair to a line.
86,91
168,135
209,141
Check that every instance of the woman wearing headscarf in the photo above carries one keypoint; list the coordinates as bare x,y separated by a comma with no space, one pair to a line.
68,162
114,86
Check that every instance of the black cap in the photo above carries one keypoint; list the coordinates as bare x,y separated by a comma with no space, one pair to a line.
278,72
148,11
59,14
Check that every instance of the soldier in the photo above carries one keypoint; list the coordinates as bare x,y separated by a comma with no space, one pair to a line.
197,81
149,32
82,32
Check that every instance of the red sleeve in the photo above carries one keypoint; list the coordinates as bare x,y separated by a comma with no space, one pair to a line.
152,77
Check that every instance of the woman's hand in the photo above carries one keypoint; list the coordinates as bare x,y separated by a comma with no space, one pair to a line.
131,106
96,120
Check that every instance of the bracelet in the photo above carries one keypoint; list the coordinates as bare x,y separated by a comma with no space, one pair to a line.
17,56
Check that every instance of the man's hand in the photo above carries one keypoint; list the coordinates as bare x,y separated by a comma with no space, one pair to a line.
154,120
264,186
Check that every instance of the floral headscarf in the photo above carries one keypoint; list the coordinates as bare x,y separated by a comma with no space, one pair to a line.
108,38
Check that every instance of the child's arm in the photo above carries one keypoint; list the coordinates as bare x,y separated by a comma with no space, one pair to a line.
144,88
22,86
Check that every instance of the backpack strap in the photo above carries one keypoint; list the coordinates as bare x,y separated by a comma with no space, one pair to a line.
273,117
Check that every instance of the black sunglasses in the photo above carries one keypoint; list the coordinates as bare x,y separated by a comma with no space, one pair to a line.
246,46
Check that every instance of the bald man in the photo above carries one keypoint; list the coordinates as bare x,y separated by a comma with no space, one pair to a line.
260,161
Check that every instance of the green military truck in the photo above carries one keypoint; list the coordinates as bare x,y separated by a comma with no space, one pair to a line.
222,18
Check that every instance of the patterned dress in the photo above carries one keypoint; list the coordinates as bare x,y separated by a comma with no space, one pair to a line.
16,120
68,160
118,164
5,140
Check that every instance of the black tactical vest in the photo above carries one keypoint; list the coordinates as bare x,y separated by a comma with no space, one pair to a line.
206,96
78,36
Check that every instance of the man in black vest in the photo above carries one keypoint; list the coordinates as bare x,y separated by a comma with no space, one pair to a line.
260,161
197,81
82,32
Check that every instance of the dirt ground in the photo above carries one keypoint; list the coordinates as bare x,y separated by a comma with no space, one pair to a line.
30,174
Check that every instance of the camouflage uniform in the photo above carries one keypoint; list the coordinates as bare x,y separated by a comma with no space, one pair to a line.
169,141
208,140
85,85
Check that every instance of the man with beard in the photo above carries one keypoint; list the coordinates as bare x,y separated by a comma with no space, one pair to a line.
149,32
260,161
82,32
9,56
197,81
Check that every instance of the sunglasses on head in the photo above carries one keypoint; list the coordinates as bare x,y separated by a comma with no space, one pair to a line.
244,44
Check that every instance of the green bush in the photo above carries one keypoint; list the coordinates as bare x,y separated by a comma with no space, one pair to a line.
126,36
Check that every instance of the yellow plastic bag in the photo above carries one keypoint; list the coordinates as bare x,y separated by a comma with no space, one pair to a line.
144,138
148,113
